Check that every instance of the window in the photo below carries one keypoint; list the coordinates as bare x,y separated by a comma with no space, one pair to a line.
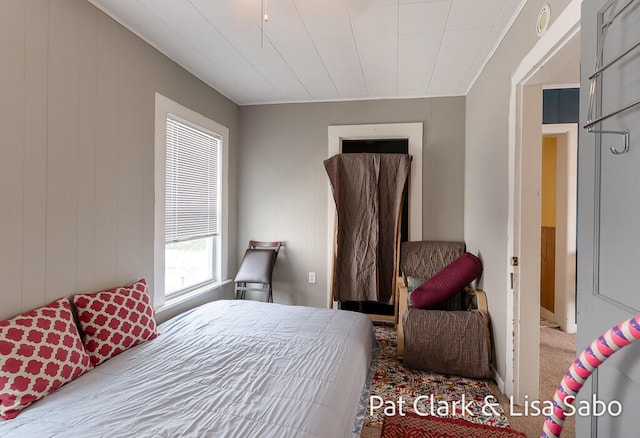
190,241
192,228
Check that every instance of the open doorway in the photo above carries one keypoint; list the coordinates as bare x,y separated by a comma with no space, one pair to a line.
558,226
558,257
548,223
554,60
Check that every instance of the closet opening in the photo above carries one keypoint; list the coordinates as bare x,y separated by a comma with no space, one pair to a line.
380,146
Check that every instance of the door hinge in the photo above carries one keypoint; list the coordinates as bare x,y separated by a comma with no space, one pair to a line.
514,261
513,276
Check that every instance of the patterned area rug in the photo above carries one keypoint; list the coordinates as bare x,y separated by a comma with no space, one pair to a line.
442,395
413,425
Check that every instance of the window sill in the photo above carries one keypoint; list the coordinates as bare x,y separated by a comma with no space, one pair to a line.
180,299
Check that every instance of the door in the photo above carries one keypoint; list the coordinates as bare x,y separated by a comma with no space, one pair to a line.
609,217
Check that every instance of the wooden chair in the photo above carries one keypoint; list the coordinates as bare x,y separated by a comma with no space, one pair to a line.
448,341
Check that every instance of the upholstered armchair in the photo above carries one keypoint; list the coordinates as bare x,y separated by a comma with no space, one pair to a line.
454,338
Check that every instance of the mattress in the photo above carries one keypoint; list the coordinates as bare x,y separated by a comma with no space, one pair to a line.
225,369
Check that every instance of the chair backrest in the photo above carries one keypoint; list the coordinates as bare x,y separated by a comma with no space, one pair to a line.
256,244
258,262
426,258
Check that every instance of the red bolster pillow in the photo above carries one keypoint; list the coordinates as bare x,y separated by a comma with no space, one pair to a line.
446,283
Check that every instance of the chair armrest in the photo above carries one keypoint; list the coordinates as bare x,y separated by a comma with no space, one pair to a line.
402,299
479,298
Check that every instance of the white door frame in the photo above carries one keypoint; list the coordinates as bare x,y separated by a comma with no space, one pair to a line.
411,131
522,373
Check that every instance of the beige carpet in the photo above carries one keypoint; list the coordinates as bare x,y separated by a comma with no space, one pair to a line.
557,352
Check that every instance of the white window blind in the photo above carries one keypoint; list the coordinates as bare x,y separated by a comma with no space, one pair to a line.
191,183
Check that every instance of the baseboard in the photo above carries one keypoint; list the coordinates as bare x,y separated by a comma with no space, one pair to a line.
547,314
496,377
570,327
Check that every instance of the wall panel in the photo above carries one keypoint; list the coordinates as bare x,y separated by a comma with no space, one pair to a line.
77,105
62,158
87,123
284,189
34,181
106,160
442,169
487,169
12,163
130,156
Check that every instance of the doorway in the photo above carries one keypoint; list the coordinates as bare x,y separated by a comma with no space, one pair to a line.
558,218
380,146
556,54
413,132
548,228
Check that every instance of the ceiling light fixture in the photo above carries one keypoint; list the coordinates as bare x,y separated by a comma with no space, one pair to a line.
544,17
265,18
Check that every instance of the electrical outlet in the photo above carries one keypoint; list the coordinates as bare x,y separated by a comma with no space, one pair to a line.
312,277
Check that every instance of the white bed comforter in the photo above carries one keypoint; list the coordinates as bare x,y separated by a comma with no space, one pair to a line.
225,369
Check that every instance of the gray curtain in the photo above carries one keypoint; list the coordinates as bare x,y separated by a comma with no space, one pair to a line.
367,189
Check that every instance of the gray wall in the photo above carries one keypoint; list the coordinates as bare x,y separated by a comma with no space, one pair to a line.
487,154
76,175
284,189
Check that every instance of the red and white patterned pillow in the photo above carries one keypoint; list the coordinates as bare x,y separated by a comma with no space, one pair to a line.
115,320
40,351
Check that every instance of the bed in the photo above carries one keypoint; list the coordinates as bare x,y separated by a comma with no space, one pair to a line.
226,369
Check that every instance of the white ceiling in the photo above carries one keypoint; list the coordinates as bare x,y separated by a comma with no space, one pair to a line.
321,50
